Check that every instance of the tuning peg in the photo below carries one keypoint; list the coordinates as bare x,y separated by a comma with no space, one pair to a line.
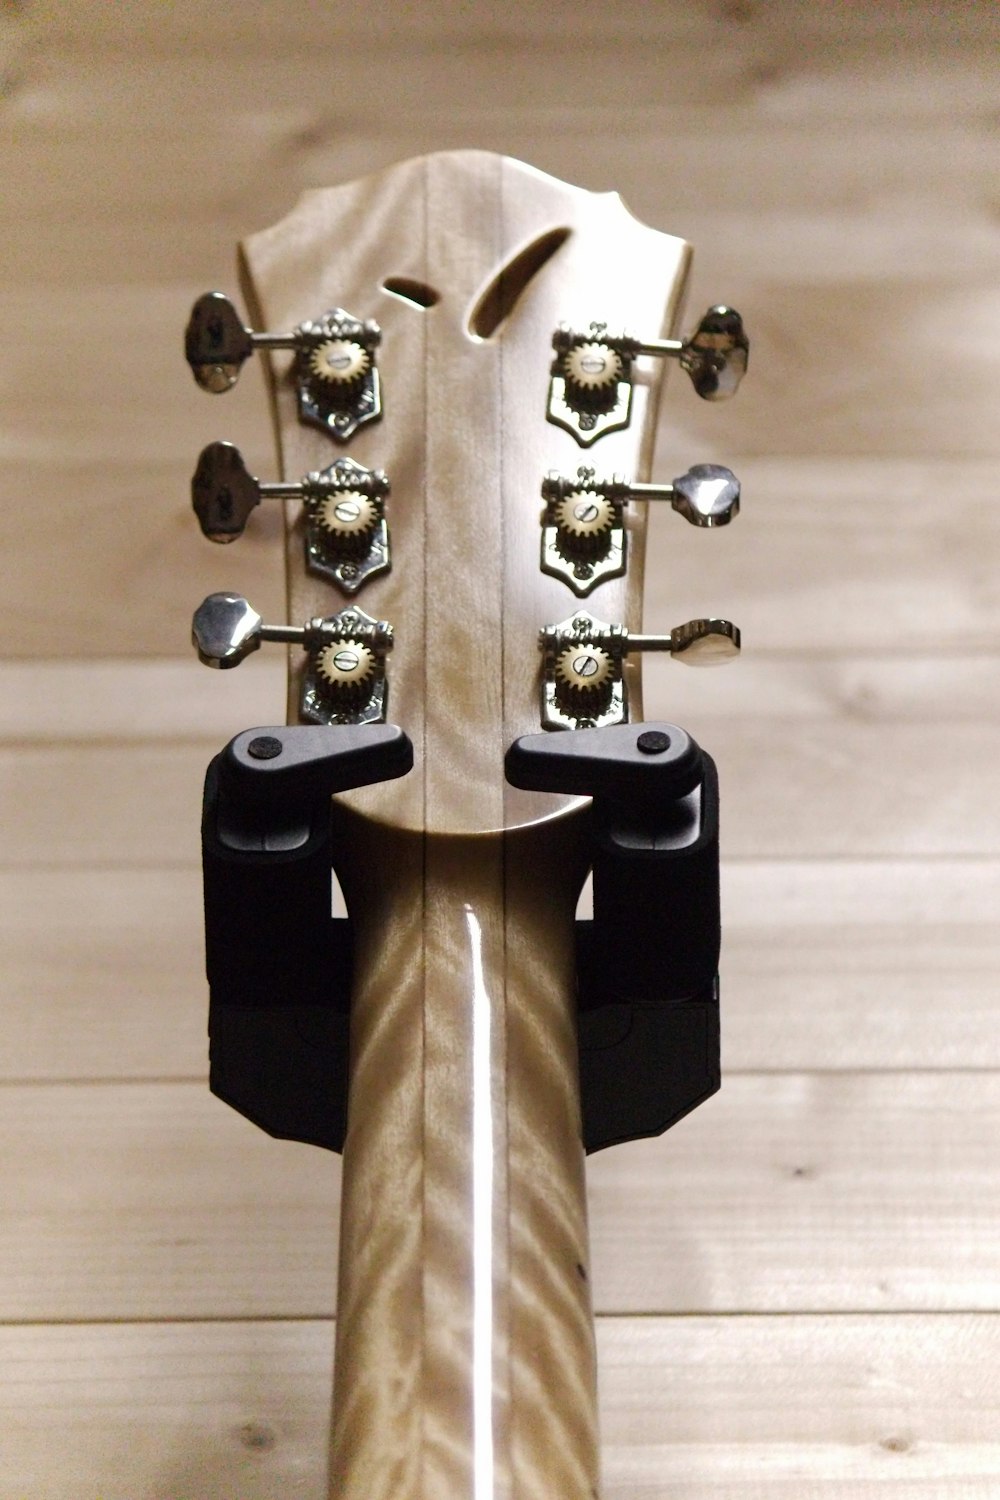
346,534
715,356
590,392
582,683
334,368
344,681
583,527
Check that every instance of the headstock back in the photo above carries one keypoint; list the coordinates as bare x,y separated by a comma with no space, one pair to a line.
502,254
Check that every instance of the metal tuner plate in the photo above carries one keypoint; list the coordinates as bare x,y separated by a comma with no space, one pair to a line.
335,374
346,532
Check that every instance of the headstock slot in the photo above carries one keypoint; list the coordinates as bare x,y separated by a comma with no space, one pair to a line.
408,289
497,300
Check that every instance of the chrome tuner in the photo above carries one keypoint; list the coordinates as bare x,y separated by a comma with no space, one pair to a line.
583,686
334,368
583,528
346,534
344,681
590,390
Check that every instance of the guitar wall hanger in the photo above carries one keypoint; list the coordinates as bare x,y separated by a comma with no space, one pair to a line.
647,1015
279,966
344,681
346,534
583,529
583,685
335,375
590,390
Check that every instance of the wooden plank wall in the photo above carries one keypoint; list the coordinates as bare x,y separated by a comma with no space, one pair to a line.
798,1289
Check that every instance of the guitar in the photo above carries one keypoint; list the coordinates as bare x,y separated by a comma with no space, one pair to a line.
465,415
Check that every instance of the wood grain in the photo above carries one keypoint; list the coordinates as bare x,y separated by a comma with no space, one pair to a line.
834,167
754,1407
790,1192
832,789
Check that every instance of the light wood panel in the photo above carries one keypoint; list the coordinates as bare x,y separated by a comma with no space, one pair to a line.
788,1192
755,1408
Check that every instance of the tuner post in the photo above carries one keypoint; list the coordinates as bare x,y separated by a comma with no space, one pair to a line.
584,541
336,378
346,534
344,681
583,683
590,387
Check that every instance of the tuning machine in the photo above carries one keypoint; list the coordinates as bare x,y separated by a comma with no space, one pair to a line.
583,527
583,686
334,369
590,391
344,681
346,534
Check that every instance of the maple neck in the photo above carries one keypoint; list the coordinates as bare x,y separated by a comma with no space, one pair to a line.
465,1361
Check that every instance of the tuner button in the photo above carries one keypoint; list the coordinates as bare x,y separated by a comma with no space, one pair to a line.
225,629
223,492
707,495
216,344
705,643
716,354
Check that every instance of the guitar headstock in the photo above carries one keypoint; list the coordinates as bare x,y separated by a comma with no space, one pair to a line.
465,363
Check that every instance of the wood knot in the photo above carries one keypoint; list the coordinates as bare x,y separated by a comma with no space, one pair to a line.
257,1435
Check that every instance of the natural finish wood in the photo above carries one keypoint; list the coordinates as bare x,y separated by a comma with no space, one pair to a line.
852,964
834,166
754,1407
463,889
789,1192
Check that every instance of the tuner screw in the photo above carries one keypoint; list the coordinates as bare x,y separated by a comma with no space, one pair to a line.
584,675
347,668
341,362
348,519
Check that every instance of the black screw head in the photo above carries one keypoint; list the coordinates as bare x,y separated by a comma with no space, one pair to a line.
653,742
265,747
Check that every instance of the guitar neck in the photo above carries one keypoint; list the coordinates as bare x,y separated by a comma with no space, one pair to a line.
465,1361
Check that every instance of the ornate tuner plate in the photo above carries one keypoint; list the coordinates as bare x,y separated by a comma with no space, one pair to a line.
336,378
